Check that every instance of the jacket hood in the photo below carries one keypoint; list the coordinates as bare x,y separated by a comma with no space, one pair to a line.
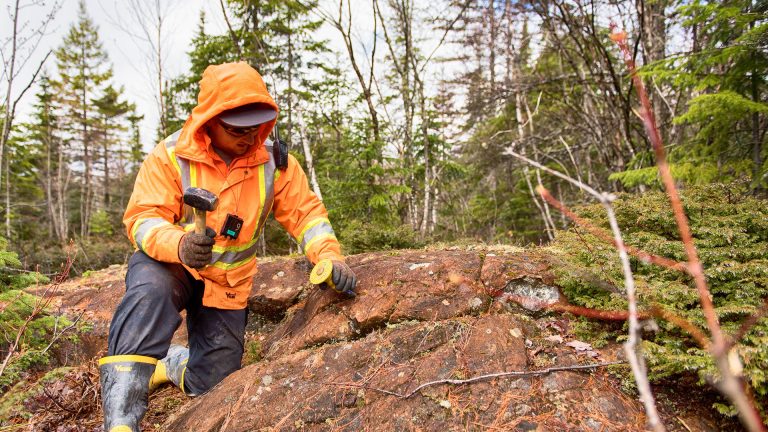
223,87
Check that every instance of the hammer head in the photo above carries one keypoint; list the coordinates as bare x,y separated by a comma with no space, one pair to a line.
200,199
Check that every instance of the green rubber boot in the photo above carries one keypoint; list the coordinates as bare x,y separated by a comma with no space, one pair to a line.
171,368
125,390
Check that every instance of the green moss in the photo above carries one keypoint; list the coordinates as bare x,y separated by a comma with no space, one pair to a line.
252,352
12,401
730,229
30,352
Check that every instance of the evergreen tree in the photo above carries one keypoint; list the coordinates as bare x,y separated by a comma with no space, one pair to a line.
111,111
181,94
52,163
83,68
728,74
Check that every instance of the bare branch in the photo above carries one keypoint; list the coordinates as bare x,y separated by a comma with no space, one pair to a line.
232,34
728,365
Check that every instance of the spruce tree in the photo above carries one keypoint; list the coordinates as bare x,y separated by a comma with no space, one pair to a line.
83,68
111,112
725,76
52,164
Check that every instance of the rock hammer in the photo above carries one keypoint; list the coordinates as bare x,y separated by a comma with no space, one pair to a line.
201,201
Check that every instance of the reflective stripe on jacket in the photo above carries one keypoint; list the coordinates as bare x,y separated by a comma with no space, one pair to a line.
250,187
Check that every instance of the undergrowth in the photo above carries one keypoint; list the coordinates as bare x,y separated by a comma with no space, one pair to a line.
730,229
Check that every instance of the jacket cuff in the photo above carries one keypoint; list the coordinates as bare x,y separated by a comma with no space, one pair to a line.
168,249
330,255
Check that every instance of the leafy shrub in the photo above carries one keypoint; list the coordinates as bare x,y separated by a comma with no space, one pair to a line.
16,306
730,230
11,275
100,224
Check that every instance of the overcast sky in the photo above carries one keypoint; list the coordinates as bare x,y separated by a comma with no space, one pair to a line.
128,54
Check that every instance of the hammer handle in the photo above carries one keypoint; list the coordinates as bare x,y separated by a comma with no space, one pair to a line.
199,221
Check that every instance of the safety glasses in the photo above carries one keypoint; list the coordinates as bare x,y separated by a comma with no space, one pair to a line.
238,131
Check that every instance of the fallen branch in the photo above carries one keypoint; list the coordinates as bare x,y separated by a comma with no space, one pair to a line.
236,407
478,378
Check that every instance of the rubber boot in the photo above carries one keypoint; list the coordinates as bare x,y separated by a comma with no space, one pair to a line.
125,390
171,368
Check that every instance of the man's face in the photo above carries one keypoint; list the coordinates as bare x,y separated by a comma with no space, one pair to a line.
232,141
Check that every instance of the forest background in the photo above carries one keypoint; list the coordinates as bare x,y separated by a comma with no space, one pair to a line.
401,155
406,130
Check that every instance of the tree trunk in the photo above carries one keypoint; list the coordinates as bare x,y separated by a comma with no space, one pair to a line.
7,198
105,159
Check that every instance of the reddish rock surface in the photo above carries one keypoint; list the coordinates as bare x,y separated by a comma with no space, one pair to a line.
322,362
418,317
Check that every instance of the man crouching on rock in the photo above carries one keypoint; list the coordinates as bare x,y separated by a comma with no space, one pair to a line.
222,148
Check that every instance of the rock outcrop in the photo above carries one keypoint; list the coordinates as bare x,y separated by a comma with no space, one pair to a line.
352,364
431,343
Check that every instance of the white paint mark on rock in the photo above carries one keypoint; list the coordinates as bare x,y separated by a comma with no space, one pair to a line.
415,266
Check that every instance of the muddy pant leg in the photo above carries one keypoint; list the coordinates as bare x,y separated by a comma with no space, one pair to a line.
140,333
216,338
148,315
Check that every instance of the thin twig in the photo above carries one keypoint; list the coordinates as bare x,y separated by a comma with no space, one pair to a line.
659,312
748,323
40,305
478,378
599,233
236,408
632,345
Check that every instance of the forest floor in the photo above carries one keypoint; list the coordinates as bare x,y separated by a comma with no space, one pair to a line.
315,361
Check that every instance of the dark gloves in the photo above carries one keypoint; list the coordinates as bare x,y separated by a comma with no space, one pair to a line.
343,278
195,250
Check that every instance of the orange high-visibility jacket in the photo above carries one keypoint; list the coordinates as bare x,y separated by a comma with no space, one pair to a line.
251,187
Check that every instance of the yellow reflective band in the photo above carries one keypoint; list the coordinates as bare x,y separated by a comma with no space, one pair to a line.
172,156
193,174
181,382
121,428
262,195
237,248
308,227
225,266
316,239
277,174
127,358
